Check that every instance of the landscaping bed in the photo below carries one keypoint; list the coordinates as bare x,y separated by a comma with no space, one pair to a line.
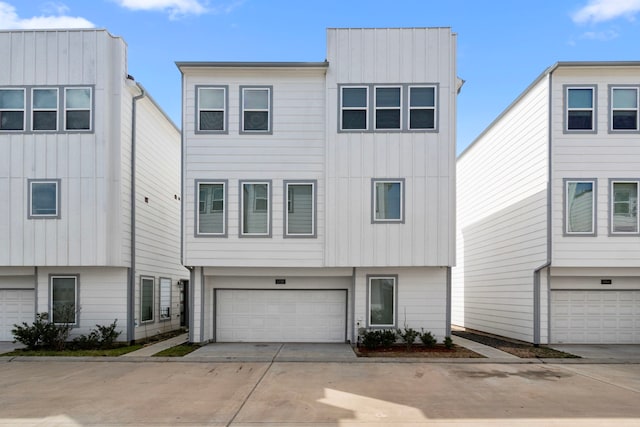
420,351
517,348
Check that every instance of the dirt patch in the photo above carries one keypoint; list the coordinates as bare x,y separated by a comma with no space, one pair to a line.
439,351
517,348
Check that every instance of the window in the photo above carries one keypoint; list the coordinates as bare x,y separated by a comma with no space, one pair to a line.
300,210
77,108
44,198
382,302
44,109
256,109
387,199
580,207
64,303
146,298
255,207
422,107
355,103
165,298
624,207
624,109
212,106
388,106
580,102
211,218
12,109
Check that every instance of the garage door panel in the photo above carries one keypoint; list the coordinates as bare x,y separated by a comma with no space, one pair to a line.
16,306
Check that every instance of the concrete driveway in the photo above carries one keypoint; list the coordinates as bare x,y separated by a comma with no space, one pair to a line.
620,352
8,346
48,392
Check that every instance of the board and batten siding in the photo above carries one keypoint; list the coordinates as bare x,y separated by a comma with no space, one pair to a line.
602,156
425,160
294,151
87,164
501,220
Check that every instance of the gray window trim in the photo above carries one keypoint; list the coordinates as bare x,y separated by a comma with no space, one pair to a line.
58,183
77,303
269,131
565,231
24,109
34,110
401,181
369,277
314,184
436,107
241,233
401,107
153,298
368,126
610,208
565,115
225,130
196,210
160,317
610,118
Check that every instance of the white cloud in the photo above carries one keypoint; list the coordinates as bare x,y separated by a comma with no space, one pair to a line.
175,8
9,19
600,35
606,10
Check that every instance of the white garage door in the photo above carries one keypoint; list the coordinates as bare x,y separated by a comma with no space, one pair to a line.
595,317
281,315
16,306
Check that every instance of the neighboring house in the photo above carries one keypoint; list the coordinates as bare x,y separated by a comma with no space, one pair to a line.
319,197
79,238
548,237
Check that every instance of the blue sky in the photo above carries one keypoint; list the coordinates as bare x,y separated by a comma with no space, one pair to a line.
503,45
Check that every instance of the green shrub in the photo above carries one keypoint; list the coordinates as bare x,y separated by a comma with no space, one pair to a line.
387,338
428,339
448,342
102,337
42,333
371,340
408,336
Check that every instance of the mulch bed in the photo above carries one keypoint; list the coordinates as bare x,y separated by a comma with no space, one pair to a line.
517,348
417,350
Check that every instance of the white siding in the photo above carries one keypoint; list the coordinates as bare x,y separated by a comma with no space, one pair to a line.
502,216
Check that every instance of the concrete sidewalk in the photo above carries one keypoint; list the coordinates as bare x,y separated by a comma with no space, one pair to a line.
152,349
485,350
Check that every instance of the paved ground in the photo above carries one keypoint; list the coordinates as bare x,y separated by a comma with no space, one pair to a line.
630,352
41,392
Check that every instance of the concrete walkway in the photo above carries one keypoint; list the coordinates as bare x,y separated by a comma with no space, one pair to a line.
485,350
152,349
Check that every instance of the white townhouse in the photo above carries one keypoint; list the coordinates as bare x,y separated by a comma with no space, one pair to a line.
319,197
548,238
90,184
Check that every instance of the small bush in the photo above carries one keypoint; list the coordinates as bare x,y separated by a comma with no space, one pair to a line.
371,340
103,337
42,333
428,339
408,336
448,342
387,338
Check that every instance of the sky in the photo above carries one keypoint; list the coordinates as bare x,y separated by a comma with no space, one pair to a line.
503,45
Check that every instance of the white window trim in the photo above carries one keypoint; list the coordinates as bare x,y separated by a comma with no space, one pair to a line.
23,109
612,210
269,109
30,214
612,109
370,278
35,110
153,298
241,216
287,209
376,108
67,109
224,109
594,204
76,310
593,109
434,108
343,108
162,315
374,200
198,202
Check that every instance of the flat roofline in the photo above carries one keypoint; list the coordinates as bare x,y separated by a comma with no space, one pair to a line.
231,64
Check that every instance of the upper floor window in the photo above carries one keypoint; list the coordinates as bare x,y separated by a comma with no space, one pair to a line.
300,212
580,205
624,207
580,109
44,198
77,108
212,107
388,107
624,109
12,102
388,200
211,218
256,115
255,205
422,107
44,109
354,108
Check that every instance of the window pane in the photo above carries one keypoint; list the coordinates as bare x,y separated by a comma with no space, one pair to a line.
256,99
11,120
45,98
211,99
625,207
146,300
354,97
211,204
580,120
45,120
354,119
63,299
422,119
422,97
388,119
388,97
44,198
580,98
580,207
78,120
165,298
300,209
78,98
625,120
388,200
211,120
625,98
12,99
255,218
382,305
256,120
